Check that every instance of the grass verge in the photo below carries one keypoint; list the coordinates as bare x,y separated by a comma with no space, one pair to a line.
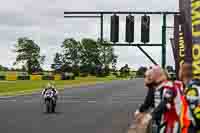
11,88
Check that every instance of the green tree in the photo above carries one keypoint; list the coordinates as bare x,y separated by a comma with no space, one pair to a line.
114,63
107,55
71,51
94,55
71,56
2,68
125,71
141,71
87,56
28,53
23,68
57,62
90,52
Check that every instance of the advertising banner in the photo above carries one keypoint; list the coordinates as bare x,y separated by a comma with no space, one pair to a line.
190,12
178,44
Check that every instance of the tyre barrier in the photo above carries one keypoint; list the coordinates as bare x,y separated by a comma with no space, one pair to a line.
11,76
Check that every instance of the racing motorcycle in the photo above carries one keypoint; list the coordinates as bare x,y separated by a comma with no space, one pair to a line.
50,101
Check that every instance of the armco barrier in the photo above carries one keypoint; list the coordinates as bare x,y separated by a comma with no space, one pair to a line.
36,77
14,77
57,77
11,76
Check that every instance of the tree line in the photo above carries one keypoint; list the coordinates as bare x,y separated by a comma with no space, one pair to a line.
87,56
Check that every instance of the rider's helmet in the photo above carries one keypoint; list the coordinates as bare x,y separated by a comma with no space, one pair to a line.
48,85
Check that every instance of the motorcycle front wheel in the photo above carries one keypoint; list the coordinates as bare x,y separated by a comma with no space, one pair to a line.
48,106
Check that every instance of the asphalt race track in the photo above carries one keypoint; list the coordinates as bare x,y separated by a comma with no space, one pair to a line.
104,108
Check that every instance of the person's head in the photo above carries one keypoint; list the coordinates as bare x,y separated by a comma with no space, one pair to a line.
148,77
185,72
50,85
159,75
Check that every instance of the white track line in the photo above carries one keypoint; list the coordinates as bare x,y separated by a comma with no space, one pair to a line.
6,97
92,101
13,100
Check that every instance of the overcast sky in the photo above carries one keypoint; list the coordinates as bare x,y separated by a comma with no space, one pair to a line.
43,21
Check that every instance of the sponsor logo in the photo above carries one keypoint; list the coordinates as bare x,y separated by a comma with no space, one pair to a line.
195,7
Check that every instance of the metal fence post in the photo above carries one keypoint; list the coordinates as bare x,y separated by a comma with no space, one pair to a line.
164,41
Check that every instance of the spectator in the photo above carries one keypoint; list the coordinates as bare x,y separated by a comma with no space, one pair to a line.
161,101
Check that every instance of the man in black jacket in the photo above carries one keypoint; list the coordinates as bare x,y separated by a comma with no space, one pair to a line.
142,116
149,99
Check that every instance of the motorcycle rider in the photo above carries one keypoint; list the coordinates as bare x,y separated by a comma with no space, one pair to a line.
50,86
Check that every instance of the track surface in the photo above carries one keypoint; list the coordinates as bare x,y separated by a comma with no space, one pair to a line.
104,108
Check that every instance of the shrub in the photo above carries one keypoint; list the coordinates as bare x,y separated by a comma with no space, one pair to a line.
84,74
68,76
2,77
23,77
47,77
141,71
73,77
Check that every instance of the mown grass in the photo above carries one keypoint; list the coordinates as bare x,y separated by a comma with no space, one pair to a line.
27,86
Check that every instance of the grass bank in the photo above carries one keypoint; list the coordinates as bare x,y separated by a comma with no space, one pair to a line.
10,88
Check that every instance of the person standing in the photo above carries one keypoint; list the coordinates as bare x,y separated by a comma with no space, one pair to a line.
162,100
190,117
142,115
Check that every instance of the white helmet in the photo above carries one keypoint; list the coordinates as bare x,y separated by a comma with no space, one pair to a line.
49,85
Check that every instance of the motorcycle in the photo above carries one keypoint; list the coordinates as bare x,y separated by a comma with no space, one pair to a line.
50,101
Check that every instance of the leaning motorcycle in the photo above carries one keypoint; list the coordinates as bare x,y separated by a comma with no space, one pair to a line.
50,101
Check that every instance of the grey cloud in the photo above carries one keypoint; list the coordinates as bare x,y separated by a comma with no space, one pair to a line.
16,19
43,21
